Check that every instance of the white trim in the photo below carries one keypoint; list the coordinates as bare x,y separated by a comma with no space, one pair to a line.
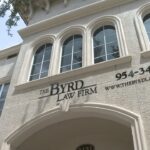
20,87
9,51
140,28
70,15
97,110
107,20
29,55
63,35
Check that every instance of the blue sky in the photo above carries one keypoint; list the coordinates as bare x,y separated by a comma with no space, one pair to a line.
5,40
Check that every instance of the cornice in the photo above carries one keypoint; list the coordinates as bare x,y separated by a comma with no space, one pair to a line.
35,84
9,51
71,15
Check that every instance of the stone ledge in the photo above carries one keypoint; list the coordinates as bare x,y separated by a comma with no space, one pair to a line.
71,15
145,54
70,74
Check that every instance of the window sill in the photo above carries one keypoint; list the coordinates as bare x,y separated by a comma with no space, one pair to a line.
145,54
70,74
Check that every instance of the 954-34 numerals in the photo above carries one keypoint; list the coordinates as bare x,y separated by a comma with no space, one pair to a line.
126,74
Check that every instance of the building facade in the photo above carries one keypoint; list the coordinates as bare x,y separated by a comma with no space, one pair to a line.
81,78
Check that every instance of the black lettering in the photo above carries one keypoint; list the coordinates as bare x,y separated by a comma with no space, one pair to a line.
80,93
79,84
70,86
94,90
54,89
87,92
65,97
63,88
70,95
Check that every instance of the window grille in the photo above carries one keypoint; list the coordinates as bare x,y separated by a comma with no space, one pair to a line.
41,62
86,147
71,53
105,44
3,94
146,21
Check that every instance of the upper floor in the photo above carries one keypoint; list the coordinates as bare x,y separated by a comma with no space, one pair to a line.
54,51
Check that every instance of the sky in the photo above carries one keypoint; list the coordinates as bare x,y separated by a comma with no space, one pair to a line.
5,40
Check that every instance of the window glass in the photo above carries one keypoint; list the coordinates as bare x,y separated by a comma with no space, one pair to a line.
77,57
67,46
71,53
77,43
105,44
146,21
3,94
41,62
86,147
98,37
4,91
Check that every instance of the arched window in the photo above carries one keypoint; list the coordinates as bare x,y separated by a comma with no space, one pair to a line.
71,53
146,21
86,147
105,44
41,62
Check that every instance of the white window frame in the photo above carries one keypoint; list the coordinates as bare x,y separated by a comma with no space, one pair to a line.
66,33
27,54
1,90
105,44
36,48
102,21
71,53
141,31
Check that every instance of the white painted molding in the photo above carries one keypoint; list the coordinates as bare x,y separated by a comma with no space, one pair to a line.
70,74
9,51
108,20
71,15
62,36
145,54
141,32
29,51
5,146
97,110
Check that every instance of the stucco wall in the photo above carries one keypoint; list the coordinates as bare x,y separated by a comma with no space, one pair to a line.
23,102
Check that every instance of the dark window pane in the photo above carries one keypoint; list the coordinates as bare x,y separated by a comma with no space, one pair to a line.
48,45
77,43
75,66
67,46
47,52
66,60
45,66
100,59
39,55
34,77
86,147
98,37
99,51
113,56
4,92
36,69
44,74
1,105
77,57
111,48
66,68
0,87
149,35
111,38
146,18
147,26
146,21
109,30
